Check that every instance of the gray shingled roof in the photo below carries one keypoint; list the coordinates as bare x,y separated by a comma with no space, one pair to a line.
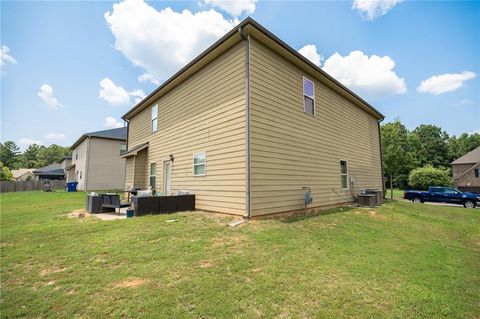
469,158
52,169
113,134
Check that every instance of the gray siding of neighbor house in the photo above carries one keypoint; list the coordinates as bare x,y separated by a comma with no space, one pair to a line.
291,149
106,169
80,164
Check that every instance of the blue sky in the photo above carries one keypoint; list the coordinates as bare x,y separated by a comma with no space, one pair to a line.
74,67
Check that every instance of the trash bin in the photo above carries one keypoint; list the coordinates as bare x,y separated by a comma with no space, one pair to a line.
72,186
130,213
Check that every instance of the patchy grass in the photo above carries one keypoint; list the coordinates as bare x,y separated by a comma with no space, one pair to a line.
398,261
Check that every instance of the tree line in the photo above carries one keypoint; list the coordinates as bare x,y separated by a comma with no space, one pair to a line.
427,146
403,151
35,156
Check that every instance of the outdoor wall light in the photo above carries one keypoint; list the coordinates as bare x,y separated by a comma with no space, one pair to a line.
171,158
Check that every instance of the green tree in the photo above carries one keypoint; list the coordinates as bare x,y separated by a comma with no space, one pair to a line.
397,158
51,154
460,146
9,154
429,145
423,177
5,173
29,158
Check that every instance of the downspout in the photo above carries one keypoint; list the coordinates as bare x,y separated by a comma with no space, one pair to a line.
381,157
125,168
246,39
87,167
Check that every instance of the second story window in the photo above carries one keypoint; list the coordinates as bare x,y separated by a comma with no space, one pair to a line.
154,118
308,96
477,172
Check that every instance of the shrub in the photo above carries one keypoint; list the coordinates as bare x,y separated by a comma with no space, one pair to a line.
422,178
5,173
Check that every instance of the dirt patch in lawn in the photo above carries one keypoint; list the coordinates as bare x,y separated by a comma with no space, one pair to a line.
227,240
79,213
52,270
206,263
376,215
130,283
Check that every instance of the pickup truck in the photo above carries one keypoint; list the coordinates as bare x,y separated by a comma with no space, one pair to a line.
443,195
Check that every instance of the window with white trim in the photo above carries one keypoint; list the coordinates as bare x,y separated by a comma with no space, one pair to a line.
154,118
153,174
123,148
308,96
344,174
199,164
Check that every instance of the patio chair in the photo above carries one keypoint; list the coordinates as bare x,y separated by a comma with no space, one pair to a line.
112,201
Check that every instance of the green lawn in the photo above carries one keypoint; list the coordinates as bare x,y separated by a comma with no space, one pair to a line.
399,261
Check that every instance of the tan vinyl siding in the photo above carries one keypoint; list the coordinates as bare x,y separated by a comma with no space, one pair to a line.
291,149
141,170
205,113
129,172
106,169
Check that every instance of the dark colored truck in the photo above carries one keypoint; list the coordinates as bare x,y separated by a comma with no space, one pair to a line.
443,195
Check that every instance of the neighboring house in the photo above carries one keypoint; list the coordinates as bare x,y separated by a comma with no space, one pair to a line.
466,172
96,163
50,172
23,174
66,162
249,123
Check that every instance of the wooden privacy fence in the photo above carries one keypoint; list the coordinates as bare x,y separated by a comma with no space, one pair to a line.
20,186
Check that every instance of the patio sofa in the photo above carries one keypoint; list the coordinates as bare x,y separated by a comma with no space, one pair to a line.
143,205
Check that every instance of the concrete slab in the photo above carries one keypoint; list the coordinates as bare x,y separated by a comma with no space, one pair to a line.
112,216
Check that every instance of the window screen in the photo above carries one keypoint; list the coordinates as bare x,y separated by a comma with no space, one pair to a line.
154,118
308,96
153,174
199,164
344,174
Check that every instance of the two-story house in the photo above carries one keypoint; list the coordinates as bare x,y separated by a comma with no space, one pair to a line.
466,172
249,125
96,163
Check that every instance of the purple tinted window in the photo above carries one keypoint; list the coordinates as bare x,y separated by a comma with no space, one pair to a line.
307,87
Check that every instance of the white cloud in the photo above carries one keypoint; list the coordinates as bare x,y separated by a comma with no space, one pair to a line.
464,102
439,84
369,76
233,7
55,136
163,41
148,77
310,52
27,141
117,95
138,95
372,9
112,122
46,94
5,57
